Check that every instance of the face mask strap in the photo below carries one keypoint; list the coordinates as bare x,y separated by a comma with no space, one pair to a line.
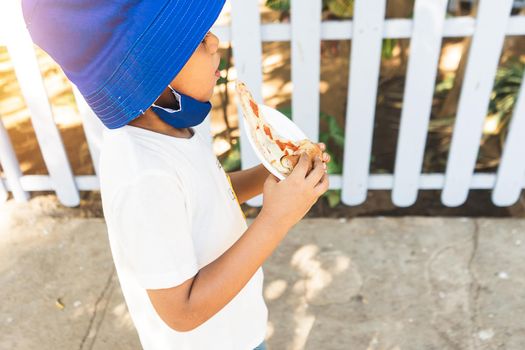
178,102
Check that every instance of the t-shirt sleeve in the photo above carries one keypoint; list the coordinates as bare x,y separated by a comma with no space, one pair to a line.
153,224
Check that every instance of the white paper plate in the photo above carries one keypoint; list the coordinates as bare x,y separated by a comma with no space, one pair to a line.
284,127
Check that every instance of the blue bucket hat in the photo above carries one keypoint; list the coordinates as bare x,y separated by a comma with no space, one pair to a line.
120,54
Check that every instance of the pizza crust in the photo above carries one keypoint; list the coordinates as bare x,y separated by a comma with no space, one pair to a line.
305,146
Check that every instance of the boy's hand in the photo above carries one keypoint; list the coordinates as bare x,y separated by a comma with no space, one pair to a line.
288,201
326,156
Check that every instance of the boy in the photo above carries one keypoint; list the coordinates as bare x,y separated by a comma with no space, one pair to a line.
188,265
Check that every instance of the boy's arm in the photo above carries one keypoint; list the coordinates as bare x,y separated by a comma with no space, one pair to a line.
185,307
248,183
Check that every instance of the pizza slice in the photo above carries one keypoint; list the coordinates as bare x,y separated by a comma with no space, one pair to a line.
281,153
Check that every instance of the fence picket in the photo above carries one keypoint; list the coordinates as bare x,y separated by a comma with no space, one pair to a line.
20,48
247,53
362,92
306,65
429,17
11,167
511,172
3,192
487,42
398,28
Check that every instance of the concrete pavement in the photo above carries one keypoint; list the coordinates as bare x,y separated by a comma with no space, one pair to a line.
367,283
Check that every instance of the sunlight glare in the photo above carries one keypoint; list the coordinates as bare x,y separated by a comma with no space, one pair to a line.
451,57
275,289
491,125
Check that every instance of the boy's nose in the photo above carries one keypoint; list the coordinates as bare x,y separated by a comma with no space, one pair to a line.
212,43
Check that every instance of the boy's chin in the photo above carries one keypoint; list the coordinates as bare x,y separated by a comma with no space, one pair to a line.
203,97
209,95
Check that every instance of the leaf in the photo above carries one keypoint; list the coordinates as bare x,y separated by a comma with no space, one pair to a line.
341,8
232,162
339,140
333,197
59,304
335,132
278,5
387,51
287,111
223,64
222,80
446,84
436,124
334,166
333,126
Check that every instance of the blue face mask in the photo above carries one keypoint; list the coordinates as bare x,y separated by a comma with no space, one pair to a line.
188,111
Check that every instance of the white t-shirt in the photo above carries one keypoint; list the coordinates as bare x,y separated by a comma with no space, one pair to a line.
170,210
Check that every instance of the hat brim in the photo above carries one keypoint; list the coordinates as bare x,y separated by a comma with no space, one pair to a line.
154,61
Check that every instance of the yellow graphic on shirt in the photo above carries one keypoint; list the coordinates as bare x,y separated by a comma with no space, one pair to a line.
235,195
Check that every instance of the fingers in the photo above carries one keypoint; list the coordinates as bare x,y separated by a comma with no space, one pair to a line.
317,172
321,146
326,156
323,185
302,166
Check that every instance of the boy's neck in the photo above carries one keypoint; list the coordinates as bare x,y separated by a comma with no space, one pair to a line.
150,121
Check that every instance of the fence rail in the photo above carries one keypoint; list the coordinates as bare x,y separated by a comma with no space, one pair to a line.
305,31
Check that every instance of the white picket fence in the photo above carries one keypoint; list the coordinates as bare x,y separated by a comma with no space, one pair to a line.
369,27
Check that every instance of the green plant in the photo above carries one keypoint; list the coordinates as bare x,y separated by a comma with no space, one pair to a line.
287,111
502,100
335,132
232,160
334,135
222,83
278,5
333,197
340,8
504,94
223,67
387,50
446,84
